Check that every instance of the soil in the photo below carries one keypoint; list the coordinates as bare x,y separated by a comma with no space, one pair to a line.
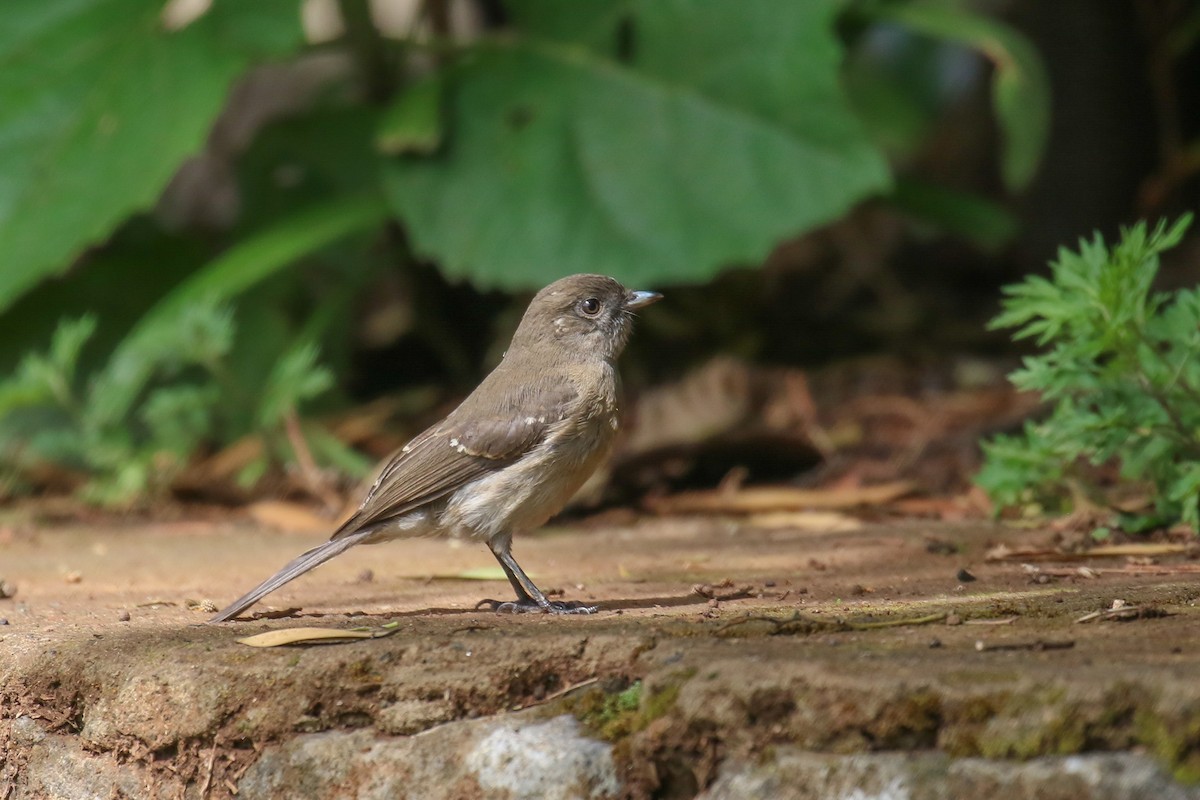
696,655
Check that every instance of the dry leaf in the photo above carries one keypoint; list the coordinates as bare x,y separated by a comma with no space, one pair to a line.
821,521
286,636
1141,549
781,498
478,574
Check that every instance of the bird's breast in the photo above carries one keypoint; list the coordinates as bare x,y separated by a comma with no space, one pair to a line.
535,487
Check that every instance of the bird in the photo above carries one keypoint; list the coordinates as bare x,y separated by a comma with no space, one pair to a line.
513,452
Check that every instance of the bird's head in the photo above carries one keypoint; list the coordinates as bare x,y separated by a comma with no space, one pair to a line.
583,314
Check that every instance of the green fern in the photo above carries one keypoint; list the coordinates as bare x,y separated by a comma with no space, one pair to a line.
133,424
1121,370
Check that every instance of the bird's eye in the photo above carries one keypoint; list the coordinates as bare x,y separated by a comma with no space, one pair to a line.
590,306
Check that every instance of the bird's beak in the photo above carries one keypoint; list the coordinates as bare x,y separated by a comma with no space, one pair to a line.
638,299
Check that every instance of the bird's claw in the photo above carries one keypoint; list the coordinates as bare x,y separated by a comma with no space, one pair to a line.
532,607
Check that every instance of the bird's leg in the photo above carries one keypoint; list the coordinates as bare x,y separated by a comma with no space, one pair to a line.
529,597
522,595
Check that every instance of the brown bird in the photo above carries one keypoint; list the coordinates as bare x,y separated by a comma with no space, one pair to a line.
512,454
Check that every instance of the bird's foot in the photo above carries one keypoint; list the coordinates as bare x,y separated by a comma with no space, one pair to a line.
531,606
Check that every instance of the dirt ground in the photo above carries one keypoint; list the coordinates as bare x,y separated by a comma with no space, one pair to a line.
909,639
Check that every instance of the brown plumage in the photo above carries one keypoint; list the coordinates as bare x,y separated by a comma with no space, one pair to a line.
516,449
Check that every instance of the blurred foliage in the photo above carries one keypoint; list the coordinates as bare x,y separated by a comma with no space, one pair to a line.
655,140
133,425
1121,373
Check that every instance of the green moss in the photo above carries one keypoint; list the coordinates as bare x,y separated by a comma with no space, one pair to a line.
616,715
660,702
1041,724
1175,742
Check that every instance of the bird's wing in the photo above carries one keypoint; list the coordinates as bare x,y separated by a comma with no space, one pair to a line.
470,443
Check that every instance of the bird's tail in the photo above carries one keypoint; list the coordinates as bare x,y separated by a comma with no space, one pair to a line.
294,569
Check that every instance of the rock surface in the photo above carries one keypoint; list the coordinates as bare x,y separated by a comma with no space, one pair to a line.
729,660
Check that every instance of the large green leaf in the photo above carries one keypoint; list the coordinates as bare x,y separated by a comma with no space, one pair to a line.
98,106
699,138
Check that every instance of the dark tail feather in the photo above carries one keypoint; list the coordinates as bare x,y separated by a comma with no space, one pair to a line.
297,567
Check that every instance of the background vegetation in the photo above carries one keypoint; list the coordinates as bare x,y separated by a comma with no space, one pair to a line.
215,214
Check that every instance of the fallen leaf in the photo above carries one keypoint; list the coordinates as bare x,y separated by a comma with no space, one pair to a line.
287,636
1140,549
822,521
477,574
780,498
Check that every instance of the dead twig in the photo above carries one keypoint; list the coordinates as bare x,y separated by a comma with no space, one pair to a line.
799,623
566,690
1003,552
208,771
895,623
315,482
1128,569
1124,613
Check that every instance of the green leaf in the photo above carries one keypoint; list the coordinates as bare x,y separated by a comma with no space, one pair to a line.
200,333
179,417
295,378
140,259
723,132
1020,85
328,449
250,261
262,255
49,379
413,122
591,23
99,105
306,160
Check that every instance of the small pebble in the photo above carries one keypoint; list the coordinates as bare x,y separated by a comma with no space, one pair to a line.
7,589
857,590
935,643
74,576
953,619
123,616
964,576
768,584
366,576
4,621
